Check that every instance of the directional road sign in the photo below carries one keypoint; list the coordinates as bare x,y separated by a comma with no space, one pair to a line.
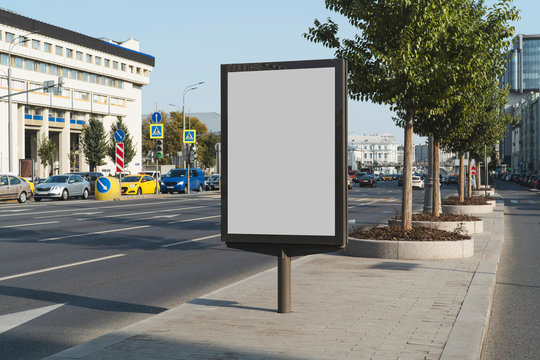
119,135
156,131
156,117
103,185
190,136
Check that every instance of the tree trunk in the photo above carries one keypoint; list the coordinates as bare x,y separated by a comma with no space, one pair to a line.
436,178
478,176
406,204
461,177
469,177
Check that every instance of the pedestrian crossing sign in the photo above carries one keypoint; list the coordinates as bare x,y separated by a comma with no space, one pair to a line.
190,136
156,131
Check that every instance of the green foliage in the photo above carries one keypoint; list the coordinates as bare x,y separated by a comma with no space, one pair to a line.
46,149
129,148
94,143
207,150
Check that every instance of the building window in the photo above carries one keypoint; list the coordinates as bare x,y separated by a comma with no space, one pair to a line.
98,60
47,47
59,50
29,64
18,62
65,72
9,37
80,95
123,67
36,45
53,69
79,55
88,58
106,62
69,53
4,59
93,78
115,65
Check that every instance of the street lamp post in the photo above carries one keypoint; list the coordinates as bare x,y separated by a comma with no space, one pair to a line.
186,90
12,44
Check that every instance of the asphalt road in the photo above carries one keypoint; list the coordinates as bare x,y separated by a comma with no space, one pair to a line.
71,271
514,325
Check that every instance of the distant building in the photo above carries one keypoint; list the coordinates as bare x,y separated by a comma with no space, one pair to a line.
379,151
103,79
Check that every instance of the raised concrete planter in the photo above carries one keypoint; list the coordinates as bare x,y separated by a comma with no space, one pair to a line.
468,209
490,192
470,227
410,250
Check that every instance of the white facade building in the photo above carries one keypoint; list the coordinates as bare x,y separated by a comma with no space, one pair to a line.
372,151
102,79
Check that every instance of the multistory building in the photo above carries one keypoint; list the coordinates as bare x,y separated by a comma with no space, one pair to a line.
103,79
372,151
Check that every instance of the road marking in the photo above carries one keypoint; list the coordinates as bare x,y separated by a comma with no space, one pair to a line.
532,202
55,216
193,240
10,321
31,224
514,201
94,233
196,219
164,216
60,267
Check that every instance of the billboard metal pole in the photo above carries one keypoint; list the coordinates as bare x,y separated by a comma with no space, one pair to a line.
284,282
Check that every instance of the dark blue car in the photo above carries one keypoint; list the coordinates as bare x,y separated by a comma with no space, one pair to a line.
176,181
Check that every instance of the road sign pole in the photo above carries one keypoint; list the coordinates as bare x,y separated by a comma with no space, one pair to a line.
157,167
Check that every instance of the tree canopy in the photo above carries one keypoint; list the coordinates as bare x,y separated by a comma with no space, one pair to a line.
94,143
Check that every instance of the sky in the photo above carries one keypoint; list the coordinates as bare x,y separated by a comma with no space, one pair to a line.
190,39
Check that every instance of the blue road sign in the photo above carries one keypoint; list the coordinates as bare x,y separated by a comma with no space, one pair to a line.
190,136
119,135
156,117
156,131
103,185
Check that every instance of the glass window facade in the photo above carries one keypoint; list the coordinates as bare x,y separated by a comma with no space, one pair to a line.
522,72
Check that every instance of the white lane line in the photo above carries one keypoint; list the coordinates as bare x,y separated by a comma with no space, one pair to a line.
196,219
514,201
10,321
53,216
31,224
193,240
94,233
532,202
60,267
368,203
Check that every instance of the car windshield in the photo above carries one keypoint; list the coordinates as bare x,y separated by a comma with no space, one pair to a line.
214,178
57,179
131,179
176,173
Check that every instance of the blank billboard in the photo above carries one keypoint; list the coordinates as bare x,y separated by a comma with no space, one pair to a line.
283,127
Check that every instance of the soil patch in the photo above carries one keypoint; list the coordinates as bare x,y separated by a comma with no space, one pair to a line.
441,217
475,200
397,233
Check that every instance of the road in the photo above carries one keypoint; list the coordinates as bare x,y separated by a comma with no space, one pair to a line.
514,326
74,270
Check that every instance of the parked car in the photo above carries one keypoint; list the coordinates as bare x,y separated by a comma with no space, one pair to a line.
213,182
151,173
452,179
32,186
417,182
62,187
12,187
387,177
91,177
176,180
358,176
368,180
536,183
138,185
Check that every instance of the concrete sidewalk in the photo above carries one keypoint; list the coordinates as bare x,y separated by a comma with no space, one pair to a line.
343,308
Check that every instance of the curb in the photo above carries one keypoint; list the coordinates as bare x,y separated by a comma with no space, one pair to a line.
468,333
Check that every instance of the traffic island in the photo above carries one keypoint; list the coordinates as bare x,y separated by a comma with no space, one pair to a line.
420,243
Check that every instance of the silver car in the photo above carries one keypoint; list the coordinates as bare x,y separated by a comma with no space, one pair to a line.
11,187
62,187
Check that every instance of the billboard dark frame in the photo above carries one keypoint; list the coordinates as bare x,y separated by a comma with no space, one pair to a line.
268,243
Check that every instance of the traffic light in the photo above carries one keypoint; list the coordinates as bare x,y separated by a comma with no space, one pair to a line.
193,152
159,148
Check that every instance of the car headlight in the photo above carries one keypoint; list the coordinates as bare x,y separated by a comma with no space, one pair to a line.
130,186
161,183
54,188
180,183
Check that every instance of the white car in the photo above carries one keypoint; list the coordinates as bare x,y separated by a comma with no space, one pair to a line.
417,182
62,187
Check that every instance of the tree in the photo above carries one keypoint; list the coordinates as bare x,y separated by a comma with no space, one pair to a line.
129,148
94,143
46,149
207,150
400,58
73,157
173,137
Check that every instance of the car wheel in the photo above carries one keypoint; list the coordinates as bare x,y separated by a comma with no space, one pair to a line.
85,194
185,189
65,195
37,199
22,197
200,188
139,191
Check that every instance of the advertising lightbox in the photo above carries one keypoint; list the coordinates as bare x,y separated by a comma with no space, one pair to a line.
284,153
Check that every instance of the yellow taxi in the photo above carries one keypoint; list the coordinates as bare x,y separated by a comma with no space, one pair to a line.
138,185
387,177
32,186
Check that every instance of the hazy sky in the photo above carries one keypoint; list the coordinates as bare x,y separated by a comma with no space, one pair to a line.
190,39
